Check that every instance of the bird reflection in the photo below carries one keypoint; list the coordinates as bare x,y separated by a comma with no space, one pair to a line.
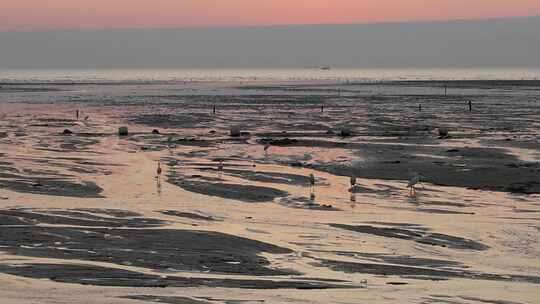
220,168
158,178
312,187
353,188
158,186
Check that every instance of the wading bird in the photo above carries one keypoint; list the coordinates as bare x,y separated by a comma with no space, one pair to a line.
353,190
312,186
220,168
415,180
158,171
353,181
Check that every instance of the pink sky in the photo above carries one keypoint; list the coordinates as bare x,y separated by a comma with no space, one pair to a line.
50,14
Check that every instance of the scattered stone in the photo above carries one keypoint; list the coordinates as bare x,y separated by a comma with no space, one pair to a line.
235,132
67,132
155,131
123,131
345,132
443,133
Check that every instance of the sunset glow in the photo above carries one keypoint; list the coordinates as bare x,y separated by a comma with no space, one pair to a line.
67,14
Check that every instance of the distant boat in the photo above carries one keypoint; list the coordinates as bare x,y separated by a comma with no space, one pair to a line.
324,67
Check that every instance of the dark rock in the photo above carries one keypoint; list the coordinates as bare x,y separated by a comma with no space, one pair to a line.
443,133
235,132
123,131
345,132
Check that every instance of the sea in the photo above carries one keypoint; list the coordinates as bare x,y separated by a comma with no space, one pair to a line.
259,75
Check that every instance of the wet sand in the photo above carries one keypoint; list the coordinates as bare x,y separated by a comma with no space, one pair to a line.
82,211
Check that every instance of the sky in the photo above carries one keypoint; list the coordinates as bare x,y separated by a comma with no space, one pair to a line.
32,15
494,43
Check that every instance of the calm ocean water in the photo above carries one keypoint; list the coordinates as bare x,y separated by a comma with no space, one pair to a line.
225,75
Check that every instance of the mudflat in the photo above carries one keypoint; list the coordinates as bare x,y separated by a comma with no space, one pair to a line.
231,217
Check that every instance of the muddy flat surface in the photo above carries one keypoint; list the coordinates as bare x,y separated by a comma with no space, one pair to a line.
234,219
87,275
417,234
159,249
